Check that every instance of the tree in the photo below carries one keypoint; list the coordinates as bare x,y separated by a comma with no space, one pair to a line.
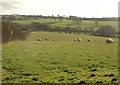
39,26
12,17
16,31
106,31
60,18
12,31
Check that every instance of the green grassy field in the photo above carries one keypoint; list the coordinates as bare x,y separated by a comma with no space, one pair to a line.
60,61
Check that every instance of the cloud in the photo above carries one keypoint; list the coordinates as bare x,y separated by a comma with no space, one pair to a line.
9,5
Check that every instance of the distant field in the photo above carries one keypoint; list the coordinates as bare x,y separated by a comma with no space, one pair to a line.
70,23
60,61
29,21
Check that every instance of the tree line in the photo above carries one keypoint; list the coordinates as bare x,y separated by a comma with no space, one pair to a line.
14,31
59,17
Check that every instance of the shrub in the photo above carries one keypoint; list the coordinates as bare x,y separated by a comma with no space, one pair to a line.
106,31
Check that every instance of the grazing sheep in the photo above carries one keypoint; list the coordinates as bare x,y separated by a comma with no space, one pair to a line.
74,39
89,40
109,40
39,39
79,39
45,39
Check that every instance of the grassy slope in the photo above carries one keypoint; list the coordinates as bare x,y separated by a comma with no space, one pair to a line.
62,60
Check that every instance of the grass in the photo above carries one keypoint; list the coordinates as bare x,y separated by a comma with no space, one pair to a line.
60,61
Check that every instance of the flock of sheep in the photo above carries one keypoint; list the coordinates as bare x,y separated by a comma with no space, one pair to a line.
89,40
39,39
108,40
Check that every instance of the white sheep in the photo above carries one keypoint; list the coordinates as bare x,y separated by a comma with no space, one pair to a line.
79,39
39,39
109,40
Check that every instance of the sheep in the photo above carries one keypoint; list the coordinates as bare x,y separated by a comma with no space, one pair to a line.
109,40
79,39
74,39
45,39
39,39
89,40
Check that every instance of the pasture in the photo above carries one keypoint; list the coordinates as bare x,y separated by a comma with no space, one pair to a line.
60,61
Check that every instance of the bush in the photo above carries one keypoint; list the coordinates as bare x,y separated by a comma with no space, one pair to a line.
6,31
106,31
12,31
40,26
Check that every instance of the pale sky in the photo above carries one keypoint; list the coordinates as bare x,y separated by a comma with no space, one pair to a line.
81,8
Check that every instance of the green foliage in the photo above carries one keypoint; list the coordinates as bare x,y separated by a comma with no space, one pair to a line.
106,31
6,31
39,26
12,31
85,26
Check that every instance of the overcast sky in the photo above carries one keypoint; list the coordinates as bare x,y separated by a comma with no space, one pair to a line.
82,8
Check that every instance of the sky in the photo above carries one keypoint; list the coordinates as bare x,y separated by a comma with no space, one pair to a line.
81,8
